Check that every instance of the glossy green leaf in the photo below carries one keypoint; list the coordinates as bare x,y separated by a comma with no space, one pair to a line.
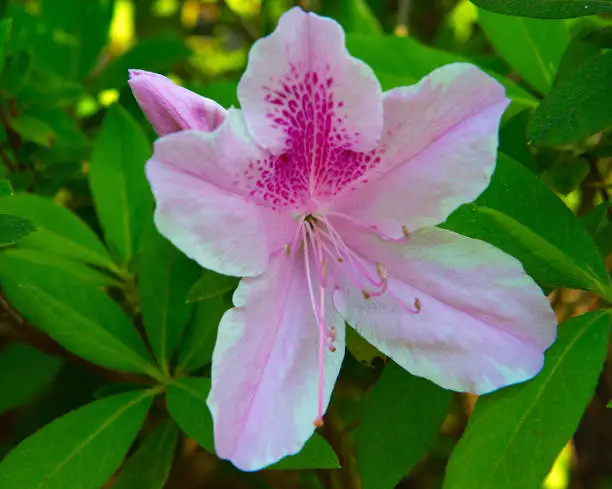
156,54
24,373
149,467
576,108
547,9
120,190
197,347
75,314
532,47
34,130
407,61
80,450
515,434
186,401
5,33
59,232
210,285
165,276
401,419
520,215
14,229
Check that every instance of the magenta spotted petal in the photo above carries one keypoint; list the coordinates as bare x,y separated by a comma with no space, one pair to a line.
320,191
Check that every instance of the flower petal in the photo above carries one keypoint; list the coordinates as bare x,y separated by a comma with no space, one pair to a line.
438,151
483,323
171,108
265,368
301,86
202,208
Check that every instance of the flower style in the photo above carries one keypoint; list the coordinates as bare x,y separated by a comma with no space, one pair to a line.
323,192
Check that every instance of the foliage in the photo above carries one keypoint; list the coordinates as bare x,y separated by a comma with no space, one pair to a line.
107,330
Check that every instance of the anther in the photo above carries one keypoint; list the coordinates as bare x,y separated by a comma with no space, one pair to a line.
405,231
340,260
417,304
318,422
382,273
287,249
366,294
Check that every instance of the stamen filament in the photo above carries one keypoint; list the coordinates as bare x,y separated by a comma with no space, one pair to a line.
373,229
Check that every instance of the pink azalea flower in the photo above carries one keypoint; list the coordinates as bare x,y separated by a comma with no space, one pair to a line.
323,192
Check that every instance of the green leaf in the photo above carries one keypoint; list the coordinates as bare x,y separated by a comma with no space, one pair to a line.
513,139
5,188
34,130
186,403
566,173
24,373
197,347
404,61
532,47
88,23
149,467
316,454
16,71
120,190
598,223
156,54
588,43
401,418
353,15
14,229
515,434
210,285
80,450
521,216
578,107
5,33
75,314
60,232
547,9
77,269
164,279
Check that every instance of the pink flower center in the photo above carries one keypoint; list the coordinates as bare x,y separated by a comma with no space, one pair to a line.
324,248
317,162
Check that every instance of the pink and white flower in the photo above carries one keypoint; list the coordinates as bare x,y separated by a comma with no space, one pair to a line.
322,192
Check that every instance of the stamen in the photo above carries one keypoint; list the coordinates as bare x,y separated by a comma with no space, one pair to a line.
314,239
373,229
